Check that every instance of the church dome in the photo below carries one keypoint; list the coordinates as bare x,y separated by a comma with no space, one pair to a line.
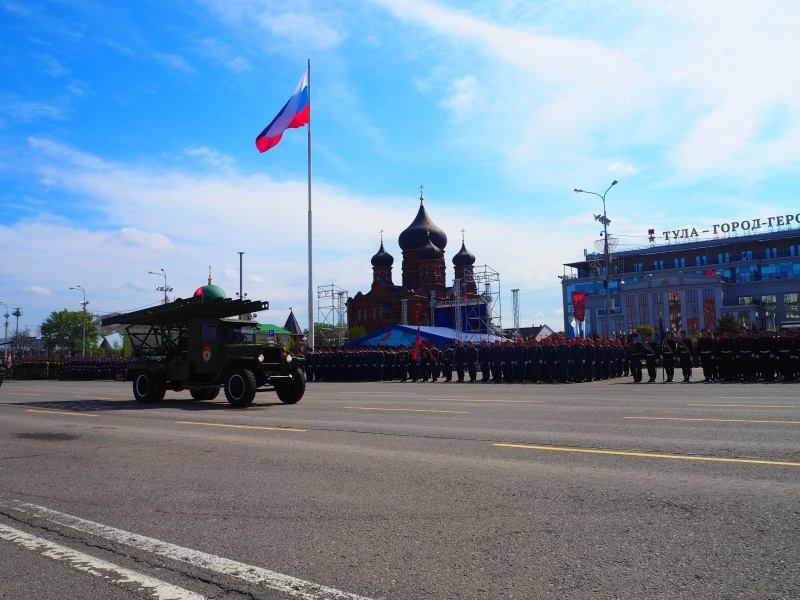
416,235
464,258
429,251
382,258
210,290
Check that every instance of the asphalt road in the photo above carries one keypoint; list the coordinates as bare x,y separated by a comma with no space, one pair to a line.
402,491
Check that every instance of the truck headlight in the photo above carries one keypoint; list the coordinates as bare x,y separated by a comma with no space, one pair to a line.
261,358
288,358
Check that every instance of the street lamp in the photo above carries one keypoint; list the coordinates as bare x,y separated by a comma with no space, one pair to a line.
604,221
164,289
17,313
83,304
5,335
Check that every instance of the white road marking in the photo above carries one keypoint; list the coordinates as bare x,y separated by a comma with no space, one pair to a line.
97,567
291,586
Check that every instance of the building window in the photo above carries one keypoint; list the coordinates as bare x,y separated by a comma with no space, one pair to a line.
770,253
678,263
658,304
638,267
790,307
692,312
675,315
724,257
745,300
700,260
658,265
644,313
630,311
747,255
769,306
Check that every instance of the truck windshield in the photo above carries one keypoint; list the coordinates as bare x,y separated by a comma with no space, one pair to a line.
244,333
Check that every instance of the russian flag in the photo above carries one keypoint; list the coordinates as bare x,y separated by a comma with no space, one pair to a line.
295,113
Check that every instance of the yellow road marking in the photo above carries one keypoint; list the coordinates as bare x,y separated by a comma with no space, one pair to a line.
712,420
749,405
60,412
651,455
457,412
243,426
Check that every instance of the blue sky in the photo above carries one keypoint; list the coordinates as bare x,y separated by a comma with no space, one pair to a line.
127,138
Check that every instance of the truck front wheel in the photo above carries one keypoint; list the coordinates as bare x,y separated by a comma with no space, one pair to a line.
291,391
148,387
240,388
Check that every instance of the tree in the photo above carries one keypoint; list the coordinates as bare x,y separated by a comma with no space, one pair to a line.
727,322
64,331
644,330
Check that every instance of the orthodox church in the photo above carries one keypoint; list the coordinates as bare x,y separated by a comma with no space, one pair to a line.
423,281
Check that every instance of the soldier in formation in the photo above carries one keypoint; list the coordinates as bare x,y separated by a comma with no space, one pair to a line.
748,356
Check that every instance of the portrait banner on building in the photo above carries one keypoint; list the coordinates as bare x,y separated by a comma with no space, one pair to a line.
709,313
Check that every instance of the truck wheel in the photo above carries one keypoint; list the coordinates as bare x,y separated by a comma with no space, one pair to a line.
291,391
240,388
148,387
205,393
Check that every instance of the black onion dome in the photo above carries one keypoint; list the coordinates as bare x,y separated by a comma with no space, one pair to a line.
464,258
429,251
416,234
382,258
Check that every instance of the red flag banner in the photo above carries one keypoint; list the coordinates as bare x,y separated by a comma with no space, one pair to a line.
579,306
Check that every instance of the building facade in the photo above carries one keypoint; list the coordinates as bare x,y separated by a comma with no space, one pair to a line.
423,282
687,283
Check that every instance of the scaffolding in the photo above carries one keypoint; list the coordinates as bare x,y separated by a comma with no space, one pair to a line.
479,315
331,328
515,306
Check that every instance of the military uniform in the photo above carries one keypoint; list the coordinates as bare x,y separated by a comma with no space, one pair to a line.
484,359
685,354
401,362
669,348
447,363
471,354
707,349
460,359
635,355
651,357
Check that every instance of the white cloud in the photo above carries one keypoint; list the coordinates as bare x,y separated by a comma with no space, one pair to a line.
465,98
693,89
185,223
38,290
174,61
136,238
624,168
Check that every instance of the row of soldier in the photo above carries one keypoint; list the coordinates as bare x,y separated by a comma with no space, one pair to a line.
551,360
76,369
749,356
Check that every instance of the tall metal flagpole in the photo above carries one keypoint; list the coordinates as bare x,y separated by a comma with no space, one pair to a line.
310,270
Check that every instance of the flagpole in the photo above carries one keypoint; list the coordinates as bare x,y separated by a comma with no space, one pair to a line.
310,270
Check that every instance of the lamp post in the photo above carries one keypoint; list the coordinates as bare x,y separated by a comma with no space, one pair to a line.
164,289
83,304
17,313
5,335
606,280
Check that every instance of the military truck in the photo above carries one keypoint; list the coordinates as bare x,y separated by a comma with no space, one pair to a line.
194,345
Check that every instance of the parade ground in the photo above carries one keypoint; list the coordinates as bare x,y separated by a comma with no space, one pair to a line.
607,489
